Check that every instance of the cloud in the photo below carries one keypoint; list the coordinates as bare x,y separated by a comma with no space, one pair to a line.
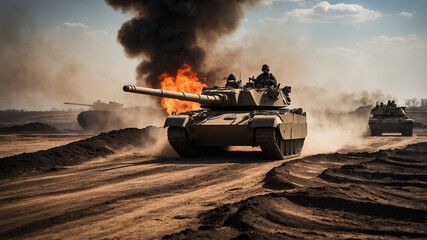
339,52
382,38
325,12
73,25
401,40
385,45
406,14
378,46
82,28
269,2
96,34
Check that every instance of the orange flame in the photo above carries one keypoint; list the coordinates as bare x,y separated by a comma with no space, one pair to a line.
185,81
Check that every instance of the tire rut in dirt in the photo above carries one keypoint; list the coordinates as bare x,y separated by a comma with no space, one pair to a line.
175,187
104,182
356,205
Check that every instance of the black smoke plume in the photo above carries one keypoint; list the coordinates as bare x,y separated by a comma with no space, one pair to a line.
167,33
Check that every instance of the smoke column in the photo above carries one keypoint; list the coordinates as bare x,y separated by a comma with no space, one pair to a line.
167,33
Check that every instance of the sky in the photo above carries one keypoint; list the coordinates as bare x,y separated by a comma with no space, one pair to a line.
343,46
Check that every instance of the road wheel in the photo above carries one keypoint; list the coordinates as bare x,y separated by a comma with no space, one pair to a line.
179,140
407,131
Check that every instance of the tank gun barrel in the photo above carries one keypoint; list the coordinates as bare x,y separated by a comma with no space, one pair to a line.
200,98
79,104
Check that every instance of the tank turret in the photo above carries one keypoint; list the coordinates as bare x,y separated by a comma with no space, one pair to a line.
98,105
235,116
226,97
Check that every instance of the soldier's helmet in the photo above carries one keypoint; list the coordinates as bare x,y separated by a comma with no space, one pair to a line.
231,77
265,67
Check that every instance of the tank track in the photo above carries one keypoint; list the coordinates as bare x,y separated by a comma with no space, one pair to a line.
274,147
269,139
178,139
407,130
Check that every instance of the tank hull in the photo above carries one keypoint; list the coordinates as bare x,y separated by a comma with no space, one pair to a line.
97,120
379,126
270,129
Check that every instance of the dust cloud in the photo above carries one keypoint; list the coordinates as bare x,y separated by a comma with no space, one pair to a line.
130,117
33,72
38,73
335,121
161,147
244,55
330,133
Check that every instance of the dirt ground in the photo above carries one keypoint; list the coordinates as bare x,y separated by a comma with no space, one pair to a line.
13,144
379,195
130,195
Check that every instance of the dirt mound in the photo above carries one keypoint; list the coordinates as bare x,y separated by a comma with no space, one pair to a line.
331,196
77,152
29,128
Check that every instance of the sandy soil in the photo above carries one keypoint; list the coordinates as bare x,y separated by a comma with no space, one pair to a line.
133,196
13,144
379,195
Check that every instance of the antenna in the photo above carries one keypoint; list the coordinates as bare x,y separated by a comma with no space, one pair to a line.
240,70
218,79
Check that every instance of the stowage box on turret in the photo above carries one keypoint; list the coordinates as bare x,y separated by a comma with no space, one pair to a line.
388,118
235,115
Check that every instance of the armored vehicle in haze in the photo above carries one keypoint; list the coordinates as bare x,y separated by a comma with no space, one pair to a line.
101,117
235,115
389,118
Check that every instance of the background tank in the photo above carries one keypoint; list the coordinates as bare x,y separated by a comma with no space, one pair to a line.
390,119
112,115
102,117
235,116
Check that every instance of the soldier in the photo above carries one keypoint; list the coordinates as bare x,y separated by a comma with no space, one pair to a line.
232,82
265,78
393,104
389,103
231,77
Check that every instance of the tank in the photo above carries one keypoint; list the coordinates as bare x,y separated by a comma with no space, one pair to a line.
235,115
102,116
390,118
110,116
